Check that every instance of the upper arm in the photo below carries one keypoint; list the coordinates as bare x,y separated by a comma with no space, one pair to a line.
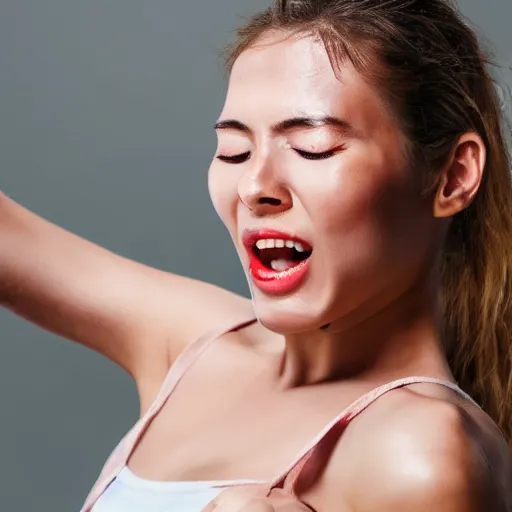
137,316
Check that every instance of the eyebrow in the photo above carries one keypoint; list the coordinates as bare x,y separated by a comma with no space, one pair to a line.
289,124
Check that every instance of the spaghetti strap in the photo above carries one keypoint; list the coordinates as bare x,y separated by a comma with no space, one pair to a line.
119,457
311,461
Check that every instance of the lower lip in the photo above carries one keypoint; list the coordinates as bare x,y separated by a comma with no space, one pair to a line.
277,283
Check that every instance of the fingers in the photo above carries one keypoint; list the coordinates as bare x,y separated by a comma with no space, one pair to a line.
255,499
240,499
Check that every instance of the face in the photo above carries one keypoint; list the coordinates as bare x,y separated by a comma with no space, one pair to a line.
310,179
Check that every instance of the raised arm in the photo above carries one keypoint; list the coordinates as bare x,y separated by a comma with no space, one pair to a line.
137,316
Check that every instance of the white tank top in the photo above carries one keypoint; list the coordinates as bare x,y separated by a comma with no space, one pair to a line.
130,493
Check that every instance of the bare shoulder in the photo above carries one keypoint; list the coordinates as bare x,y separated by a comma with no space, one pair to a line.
205,306
414,452
183,310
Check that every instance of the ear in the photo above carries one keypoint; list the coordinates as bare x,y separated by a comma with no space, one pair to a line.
461,176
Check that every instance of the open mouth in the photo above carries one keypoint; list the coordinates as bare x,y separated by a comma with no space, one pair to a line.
279,263
281,255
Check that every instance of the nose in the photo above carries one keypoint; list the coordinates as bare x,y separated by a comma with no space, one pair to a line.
262,191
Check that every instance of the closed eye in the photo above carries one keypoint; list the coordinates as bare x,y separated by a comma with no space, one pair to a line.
235,159
243,157
316,156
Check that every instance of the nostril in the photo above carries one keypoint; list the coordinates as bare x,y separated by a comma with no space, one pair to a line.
269,200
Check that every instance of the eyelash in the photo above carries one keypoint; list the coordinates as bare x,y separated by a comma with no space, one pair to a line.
241,158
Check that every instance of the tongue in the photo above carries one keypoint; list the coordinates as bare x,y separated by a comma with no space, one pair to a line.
282,265
282,258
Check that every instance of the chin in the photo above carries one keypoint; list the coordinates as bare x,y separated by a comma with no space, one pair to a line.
288,315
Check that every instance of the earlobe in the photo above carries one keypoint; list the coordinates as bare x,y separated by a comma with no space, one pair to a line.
461,177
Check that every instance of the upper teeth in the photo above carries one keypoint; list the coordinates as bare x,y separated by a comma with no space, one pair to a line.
270,243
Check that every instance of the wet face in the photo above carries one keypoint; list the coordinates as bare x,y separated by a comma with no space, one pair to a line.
310,179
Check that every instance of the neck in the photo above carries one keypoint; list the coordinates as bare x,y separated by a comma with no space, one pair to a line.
398,340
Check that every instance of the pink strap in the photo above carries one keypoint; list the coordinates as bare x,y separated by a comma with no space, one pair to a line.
119,457
311,461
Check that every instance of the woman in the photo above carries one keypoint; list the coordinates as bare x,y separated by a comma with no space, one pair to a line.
363,175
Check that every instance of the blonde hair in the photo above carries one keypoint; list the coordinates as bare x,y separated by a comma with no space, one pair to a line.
433,73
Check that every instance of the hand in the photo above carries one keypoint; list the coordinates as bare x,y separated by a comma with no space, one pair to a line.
252,498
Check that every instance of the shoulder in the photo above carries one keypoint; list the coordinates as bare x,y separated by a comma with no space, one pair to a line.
184,310
410,452
210,307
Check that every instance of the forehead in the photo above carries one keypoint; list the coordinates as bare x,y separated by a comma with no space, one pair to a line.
281,77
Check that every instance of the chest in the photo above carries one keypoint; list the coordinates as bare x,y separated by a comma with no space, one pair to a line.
230,424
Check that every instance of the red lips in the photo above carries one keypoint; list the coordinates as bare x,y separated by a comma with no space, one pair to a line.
268,280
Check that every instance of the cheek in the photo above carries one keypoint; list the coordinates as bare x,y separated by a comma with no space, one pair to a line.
342,198
223,189
366,208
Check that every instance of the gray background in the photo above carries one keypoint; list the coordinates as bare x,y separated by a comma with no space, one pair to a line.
106,109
